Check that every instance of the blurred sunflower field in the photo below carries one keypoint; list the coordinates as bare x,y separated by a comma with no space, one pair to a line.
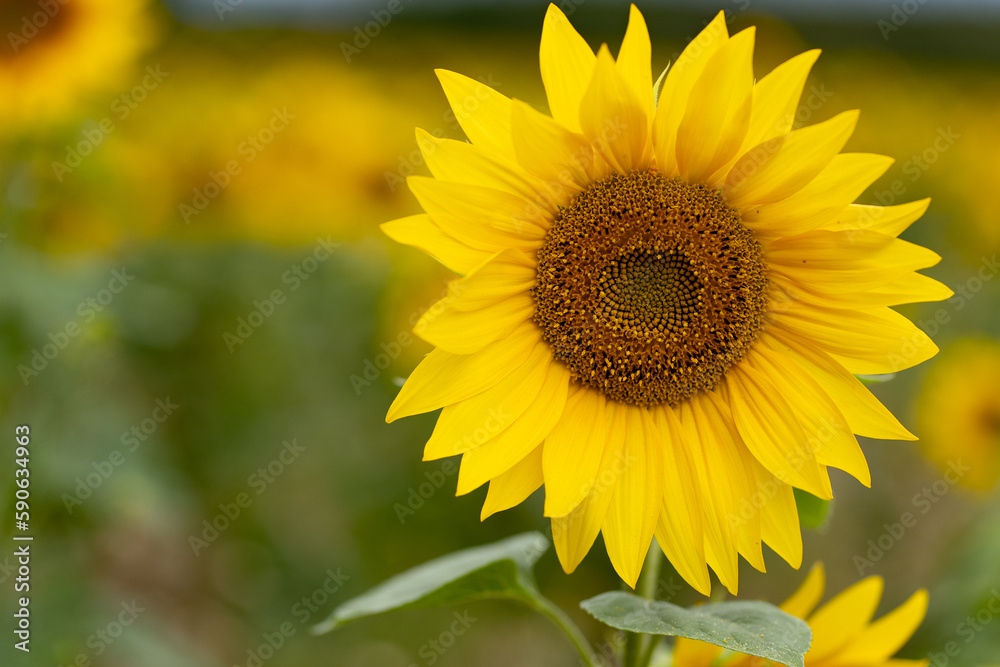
202,325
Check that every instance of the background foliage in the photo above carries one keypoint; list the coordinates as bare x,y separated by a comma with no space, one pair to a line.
286,425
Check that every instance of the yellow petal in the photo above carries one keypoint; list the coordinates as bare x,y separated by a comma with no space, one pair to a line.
774,107
693,653
516,441
843,617
574,533
776,98
780,167
420,232
462,162
500,210
779,525
505,274
888,220
736,488
635,503
772,433
718,113
826,428
679,530
514,486
838,262
475,421
571,457
680,79
865,415
466,332
465,212
634,62
819,202
483,113
879,641
720,542
908,288
866,342
443,378
911,288
567,64
562,160
613,119
808,595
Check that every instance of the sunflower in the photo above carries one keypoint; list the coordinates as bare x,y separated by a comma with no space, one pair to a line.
843,632
53,52
959,414
666,291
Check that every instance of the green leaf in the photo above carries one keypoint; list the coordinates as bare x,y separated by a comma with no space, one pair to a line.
502,569
813,512
757,628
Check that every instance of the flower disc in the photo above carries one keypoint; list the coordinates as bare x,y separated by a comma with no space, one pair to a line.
649,289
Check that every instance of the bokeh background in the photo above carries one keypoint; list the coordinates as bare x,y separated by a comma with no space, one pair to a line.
199,316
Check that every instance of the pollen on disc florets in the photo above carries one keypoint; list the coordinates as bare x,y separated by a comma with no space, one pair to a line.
649,289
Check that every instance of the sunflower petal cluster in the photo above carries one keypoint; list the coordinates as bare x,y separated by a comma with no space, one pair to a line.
844,634
667,290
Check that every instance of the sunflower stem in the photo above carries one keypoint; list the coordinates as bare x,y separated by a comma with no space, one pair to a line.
646,658
559,617
639,648
649,578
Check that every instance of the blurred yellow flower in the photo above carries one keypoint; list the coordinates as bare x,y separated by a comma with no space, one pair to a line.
959,412
945,144
54,52
843,632
249,148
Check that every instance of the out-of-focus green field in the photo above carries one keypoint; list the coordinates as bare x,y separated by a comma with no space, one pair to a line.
203,327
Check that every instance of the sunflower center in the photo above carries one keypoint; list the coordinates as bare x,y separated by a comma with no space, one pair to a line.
649,289
24,24
990,419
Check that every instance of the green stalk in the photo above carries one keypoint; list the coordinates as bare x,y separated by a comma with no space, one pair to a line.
559,617
638,647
